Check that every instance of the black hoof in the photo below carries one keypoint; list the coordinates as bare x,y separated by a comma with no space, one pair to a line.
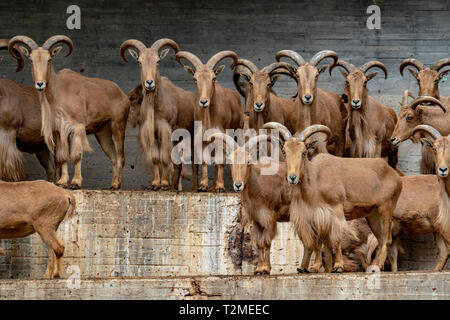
154,188
74,187
337,270
164,188
220,190
203,189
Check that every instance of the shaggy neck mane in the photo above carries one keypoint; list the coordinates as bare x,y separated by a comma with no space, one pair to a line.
443,219
364,144
258,119
304,118
147,113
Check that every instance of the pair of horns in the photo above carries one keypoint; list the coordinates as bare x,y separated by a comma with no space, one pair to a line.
212,62
252,142
315,60
364,68
17,52
139,46
428,129
420,66
252,68
31,45
420,100
303,135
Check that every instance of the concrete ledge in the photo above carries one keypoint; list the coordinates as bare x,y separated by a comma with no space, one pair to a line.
407,285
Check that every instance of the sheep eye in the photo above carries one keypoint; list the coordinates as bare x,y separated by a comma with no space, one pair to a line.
409,118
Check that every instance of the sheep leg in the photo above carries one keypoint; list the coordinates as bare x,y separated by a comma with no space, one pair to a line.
118,137
266,264
307,251
64,178
393,255
204,179
381,222
317,260
46,160
77,179
328,253
104,138
338,260
176,177
55,249
443,252
219,185
165,148
194,177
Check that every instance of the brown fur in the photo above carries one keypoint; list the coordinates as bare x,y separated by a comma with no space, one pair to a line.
41,209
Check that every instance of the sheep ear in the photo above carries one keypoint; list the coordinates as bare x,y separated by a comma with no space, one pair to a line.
56,50
245,76
274,79
219,69
25,51
189,70
344,98
133,53
414,73
371,75
428,143
311,145
164,53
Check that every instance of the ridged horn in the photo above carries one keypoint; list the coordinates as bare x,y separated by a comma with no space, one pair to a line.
429,129
280,127
131,43
192,58
276,65
440,64
238,70
374,64
165,42
247,64
17,52
411,62
319,56
294,56
347,66
419,100
255,140
20,40
315,128
406,94
52,41
219,56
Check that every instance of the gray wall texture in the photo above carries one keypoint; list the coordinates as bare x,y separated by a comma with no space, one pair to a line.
255,30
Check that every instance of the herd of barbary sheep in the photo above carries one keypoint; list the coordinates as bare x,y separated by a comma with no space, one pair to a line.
338,153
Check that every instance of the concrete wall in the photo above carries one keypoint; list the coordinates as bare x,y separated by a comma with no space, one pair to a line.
399,286
142,234
254,29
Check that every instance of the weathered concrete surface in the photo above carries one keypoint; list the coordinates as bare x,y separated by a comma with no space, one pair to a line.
143,233
411,285
150,234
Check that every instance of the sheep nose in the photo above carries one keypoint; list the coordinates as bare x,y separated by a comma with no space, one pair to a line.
443,171
238,185
307,97
355,101
40,85
292,178
258,104
204,102
393,140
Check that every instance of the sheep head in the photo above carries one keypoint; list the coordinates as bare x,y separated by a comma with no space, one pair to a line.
240,156
410,116
205,74
259,83
308,73
440,146
297,148
356,80
428,78
148,58
40,57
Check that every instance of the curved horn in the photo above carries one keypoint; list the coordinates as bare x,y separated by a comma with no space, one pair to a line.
411,62
24,40
440,64
419,100
219,56
284,71
192,58
315,128
17,52
50,42
374,64
319,56
238,70
429,129
131,43
229,141
247,64
294,56
165,42
347,66
276,65
282,128
406,94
